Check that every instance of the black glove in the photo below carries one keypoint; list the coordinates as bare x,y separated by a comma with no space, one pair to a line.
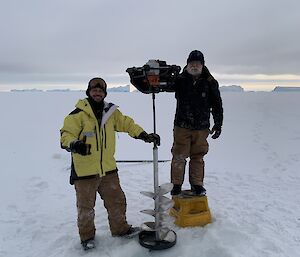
150,138
216,131
81,147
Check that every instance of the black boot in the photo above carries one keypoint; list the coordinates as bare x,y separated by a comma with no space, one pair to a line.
198,190
176,190
130,233
88,244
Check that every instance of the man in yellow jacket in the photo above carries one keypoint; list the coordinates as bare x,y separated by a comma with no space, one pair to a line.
89,134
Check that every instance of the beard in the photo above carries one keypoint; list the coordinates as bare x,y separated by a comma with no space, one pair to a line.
194,71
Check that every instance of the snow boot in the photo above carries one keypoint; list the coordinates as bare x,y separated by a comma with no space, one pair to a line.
198,190
176,190
88,244
132,232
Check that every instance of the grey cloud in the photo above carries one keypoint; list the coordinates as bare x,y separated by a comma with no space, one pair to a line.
106,37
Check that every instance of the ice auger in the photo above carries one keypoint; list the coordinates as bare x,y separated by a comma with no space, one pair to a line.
154,77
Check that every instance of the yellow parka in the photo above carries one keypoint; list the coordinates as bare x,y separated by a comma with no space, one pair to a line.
82,122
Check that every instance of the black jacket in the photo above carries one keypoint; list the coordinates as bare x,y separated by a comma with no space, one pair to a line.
196,100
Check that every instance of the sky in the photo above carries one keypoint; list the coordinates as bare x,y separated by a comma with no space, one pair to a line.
63,44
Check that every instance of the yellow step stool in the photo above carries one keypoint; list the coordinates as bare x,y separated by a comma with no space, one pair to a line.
190,211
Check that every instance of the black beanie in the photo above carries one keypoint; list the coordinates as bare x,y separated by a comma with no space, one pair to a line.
195,56
101,84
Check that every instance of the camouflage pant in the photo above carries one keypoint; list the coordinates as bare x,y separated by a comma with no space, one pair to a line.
114,201
192,144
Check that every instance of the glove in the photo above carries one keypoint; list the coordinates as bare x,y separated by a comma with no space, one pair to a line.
216,131
150,138
80,147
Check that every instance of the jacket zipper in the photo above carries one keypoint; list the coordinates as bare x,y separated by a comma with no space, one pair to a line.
96,132
104,137
101,156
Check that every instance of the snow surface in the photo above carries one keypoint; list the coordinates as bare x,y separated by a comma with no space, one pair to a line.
252,178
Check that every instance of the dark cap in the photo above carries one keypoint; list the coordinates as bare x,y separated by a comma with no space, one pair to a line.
96,82
195,56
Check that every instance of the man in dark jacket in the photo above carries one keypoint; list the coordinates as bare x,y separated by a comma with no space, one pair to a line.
198,95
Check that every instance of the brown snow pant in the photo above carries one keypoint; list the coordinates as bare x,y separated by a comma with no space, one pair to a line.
114,201
193,144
